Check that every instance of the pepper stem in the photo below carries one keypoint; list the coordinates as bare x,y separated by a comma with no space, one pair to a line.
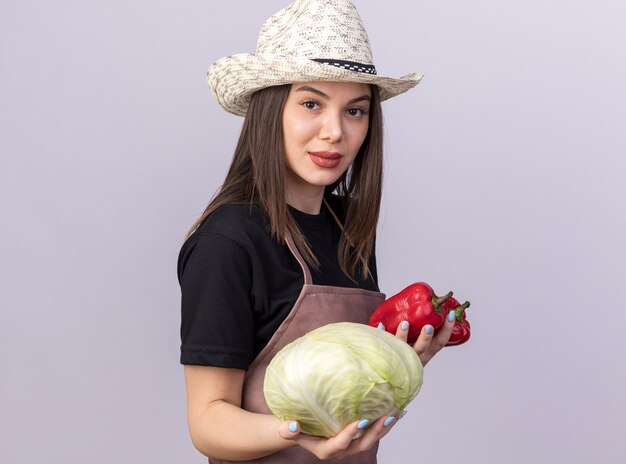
438,301
459,310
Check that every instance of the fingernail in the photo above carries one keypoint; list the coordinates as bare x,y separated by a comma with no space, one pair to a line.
364,423
405,326
402,414
388,421
293,426
428,329
451,316
381,326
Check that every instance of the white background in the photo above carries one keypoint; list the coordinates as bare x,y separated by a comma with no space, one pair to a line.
505,182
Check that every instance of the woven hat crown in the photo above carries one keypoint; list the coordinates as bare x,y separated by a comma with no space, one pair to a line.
314,29
309,40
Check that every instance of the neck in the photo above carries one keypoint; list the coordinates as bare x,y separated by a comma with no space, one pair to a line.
306,200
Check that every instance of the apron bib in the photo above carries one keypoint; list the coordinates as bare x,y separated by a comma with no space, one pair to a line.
317,305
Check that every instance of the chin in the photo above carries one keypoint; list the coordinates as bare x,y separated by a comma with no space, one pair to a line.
324,180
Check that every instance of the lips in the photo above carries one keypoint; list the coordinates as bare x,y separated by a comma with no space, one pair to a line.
325,159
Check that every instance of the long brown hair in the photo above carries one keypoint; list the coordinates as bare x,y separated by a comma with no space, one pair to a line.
257,174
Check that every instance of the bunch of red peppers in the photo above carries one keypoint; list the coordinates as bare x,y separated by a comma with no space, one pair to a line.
419,306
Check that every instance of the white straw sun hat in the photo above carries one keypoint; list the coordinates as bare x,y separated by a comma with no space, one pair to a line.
309,40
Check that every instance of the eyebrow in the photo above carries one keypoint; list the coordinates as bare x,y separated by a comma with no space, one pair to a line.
308,88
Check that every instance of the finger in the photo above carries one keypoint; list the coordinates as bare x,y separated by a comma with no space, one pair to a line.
344,438
424,339
379,429
335,446
439,340
402,332
356,437
443,333
374,433
289,429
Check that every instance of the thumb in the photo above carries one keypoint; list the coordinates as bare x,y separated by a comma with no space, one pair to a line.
289,429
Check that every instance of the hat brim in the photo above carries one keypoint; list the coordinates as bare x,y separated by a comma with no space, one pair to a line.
235,78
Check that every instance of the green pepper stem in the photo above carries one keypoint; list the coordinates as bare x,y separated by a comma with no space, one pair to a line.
459,310
438,301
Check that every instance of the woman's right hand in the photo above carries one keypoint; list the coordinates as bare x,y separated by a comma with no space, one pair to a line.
344,443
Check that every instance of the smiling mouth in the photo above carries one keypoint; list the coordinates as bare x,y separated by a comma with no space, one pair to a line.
325,159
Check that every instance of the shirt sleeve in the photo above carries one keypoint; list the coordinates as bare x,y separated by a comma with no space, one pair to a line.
217,324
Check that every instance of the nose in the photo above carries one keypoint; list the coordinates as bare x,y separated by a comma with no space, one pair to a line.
331,129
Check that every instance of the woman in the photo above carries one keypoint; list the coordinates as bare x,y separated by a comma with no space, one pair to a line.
287,244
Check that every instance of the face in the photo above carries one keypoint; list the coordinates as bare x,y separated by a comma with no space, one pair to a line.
324,126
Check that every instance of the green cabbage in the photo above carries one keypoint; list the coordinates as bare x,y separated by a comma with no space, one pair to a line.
341,373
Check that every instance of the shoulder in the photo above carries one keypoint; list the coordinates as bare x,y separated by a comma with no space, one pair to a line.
236,220
231,232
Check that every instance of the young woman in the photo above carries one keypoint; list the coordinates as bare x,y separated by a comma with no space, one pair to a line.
287,244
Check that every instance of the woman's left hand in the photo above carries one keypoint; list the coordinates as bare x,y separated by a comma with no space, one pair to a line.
429,342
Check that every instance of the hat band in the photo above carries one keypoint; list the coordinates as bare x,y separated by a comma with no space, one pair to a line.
349,65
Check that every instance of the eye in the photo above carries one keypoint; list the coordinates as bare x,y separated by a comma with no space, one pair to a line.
310,104
357,112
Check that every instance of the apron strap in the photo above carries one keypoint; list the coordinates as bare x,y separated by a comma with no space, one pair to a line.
294,251
308,279
333,214
341,228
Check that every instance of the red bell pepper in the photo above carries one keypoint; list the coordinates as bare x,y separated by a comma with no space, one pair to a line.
461,330
416,304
